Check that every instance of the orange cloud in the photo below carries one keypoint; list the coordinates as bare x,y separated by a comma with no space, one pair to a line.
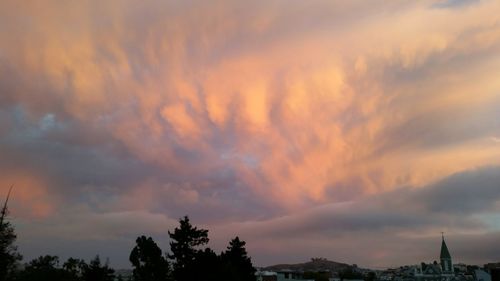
30,196
305,106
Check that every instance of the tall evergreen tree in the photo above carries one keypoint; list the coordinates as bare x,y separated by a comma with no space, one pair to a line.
207,266
148,261
237,264
184,246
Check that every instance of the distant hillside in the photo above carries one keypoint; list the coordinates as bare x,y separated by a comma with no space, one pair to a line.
316,264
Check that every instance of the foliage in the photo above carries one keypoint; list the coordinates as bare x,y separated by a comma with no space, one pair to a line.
350,274
237,264
44,268
185,240
317,276
206,266
9,257
148,261
191,261
47,268
193,264
95,271
74,268
371,276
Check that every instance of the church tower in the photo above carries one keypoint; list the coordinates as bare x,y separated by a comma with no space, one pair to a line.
446,264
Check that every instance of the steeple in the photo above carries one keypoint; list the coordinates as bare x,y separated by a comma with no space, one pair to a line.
445,254
445,257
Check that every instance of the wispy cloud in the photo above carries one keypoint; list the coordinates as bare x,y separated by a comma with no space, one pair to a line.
454,3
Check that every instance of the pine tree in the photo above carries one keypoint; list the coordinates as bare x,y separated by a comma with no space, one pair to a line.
237,263
185,241
148,261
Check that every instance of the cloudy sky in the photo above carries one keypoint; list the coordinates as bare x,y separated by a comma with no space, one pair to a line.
352,130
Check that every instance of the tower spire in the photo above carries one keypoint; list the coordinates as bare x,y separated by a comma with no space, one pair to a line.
445,257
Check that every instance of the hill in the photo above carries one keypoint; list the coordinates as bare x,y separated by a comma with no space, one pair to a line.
315,265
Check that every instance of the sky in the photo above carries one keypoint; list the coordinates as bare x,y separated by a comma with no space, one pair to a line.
353,130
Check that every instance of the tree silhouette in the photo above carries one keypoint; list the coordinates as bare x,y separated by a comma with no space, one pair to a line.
44,262
192,261
185,240
8,250
46,268
237,264
371,276
316,276
207,266
43,268
148,261
74,268
95,271
349,274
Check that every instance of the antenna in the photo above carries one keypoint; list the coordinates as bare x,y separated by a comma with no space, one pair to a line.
442,235
4,209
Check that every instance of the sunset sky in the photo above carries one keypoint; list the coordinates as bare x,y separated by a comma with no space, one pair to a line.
351,130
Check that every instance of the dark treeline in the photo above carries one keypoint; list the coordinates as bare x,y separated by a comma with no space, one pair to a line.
189,260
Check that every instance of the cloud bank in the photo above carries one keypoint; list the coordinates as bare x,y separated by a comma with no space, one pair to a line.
361,123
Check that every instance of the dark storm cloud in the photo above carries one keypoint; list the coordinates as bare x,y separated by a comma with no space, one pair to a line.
465,193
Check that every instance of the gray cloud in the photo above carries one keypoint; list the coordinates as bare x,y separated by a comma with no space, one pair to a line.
404,224
454,202
465,193
454,3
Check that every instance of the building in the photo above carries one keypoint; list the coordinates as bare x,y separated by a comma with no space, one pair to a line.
494,270
281,275
266,276
442,271
445,257
289,275
481,275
